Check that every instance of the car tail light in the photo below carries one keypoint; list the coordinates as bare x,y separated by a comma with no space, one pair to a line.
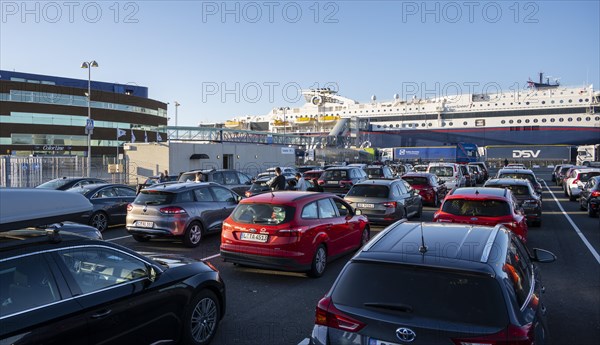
172,210
248,194
595,193
320,182
512,335
129,207
390,204
575,181
288,233
328,315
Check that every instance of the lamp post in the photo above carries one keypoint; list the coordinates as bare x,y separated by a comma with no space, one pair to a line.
177,104
284,109
89,125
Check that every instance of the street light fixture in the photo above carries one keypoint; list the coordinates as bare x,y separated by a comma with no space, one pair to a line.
89,128
177,104
284,109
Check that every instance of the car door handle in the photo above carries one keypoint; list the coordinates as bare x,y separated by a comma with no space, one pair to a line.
101,314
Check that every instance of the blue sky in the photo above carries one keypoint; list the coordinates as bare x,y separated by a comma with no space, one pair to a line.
224,59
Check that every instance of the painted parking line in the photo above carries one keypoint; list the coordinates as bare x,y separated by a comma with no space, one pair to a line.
117,238
211,257
304,341
575,227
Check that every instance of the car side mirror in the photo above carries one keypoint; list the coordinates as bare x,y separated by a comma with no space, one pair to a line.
151,273
238,198
543,256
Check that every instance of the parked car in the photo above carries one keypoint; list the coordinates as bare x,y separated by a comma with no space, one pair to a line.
561,173
341,179
477,172
589,198
523,174
555,171
574,181
385,201
420,168
312,174
261,185
182,210
29,211
235,180
379,172
486,289
67,289
401,169
305,168
483,206
109,203
483,167
431,188
292,231
515,166
470,178
284,170
527,198
152,180
450,173
64,183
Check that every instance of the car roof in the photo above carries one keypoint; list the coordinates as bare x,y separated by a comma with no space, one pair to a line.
507,181
378,182
516,171
102,185
464,246
478,192
418,174
284,197
178,187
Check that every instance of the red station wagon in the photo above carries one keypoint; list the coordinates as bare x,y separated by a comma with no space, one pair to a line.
293,231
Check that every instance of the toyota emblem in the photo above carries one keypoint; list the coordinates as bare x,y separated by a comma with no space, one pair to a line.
406,334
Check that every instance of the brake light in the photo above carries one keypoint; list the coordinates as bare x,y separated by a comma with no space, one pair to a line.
575,181
288,233
129,207
328,315
595,193
248,194
512,335
390,204
320,182
172,210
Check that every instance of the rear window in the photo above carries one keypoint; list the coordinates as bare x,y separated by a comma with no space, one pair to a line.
54,184
463,298
515,189
584,177
154,198
369,191
442,171
482,208
375,172
262,214
335,175
519,176
415,180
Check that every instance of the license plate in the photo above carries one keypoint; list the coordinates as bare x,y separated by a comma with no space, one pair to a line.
246,236
359,205
143,224
332,182
381,342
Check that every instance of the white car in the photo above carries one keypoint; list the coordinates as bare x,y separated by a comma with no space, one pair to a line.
576,180
451,173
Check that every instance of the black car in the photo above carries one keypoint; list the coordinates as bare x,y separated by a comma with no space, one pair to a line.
379,172
64,183
522,174
589,198
385,201
560,173
109,203
341,179
437,284
235,180
67,289
528,199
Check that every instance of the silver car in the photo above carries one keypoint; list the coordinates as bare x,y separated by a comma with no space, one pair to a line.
182,210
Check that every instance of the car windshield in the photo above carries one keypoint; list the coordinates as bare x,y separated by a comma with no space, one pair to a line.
442,171
585,176
482,208
410,292
515,189
414,180
54,184
335,175
375,172
262,214
369,191
150,197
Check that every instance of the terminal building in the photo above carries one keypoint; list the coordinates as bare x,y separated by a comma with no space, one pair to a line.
47,115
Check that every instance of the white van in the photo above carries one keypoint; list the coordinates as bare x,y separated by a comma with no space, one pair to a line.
450,173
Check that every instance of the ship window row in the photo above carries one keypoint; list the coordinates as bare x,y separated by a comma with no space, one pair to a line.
465,123
66,120
73,100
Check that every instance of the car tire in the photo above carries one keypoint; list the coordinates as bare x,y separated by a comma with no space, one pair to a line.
201,318
319,262
193,235
364,237
99,220
141,238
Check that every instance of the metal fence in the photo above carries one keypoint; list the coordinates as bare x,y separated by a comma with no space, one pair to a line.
27,172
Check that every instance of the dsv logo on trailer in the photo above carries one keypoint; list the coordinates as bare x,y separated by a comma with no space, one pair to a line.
525,153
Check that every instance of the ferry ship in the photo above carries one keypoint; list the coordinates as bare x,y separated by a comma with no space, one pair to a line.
542,114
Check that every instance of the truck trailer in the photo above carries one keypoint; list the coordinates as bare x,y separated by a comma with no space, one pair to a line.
455,153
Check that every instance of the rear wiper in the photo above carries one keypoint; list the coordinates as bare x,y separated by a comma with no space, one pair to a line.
152,203
405,308
261,221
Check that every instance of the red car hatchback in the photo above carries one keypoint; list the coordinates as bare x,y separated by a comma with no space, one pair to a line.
483,206
430,187
293,231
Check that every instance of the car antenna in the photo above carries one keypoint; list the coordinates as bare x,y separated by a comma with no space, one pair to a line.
423,247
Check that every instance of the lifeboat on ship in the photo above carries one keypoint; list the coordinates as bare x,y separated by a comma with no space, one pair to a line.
326,119
304,120
234,124
280,124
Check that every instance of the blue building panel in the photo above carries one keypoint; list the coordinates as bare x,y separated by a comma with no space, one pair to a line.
134,90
